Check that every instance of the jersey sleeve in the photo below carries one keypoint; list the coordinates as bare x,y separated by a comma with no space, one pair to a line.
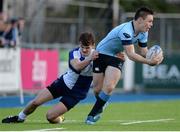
143,40
125,35
74,54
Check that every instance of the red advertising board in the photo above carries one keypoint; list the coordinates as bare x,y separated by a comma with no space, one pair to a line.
38,68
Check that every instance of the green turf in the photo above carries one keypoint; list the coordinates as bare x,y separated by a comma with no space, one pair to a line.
112,120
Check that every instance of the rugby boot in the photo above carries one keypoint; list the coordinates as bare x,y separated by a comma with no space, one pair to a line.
12,119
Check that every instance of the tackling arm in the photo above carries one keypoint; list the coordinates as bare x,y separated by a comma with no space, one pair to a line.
79,65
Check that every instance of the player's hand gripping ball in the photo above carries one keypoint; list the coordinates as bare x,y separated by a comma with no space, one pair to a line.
155,51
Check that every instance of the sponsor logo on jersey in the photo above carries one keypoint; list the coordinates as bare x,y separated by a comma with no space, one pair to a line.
126,35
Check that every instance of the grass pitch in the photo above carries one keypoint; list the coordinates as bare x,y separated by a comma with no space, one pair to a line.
134,116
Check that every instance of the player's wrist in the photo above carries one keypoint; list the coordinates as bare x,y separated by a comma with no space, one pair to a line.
151,63
89,58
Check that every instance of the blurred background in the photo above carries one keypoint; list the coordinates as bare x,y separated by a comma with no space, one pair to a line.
47,29
61,21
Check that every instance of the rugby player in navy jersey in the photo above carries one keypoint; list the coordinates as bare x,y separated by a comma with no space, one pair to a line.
107,67
72,86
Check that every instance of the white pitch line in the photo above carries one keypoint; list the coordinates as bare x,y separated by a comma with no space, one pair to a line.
145,121
65,121
48,129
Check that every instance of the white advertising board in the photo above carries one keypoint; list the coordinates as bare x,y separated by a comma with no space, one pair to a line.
10,79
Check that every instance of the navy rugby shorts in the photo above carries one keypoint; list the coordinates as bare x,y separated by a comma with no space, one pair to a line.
101,63
59,89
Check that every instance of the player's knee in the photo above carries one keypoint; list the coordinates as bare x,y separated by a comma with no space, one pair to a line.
97,91
109,88
50,117
97,88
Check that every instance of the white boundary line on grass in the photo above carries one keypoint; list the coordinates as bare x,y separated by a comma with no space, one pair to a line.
145,121
48,129
65,121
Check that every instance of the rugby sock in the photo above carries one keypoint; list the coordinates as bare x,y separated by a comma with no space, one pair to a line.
101,100
22,116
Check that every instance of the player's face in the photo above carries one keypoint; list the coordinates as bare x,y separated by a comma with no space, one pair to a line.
85,50
147,23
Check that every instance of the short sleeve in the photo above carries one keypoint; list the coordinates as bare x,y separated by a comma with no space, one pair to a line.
143,40
73,54
125,35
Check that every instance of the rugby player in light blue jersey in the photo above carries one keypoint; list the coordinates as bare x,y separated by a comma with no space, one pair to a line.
107,68
72,86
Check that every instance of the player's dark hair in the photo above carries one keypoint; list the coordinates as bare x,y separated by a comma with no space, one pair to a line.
86,39
143,12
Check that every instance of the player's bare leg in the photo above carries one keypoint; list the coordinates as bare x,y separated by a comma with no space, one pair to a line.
112,76
54,115
97,82
41,98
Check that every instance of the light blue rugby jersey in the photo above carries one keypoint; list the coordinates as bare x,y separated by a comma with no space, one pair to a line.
78,81
119,36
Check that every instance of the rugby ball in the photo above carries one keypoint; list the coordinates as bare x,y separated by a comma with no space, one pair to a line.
153,51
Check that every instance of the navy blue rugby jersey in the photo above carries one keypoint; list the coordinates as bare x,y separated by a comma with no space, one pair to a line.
78,81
